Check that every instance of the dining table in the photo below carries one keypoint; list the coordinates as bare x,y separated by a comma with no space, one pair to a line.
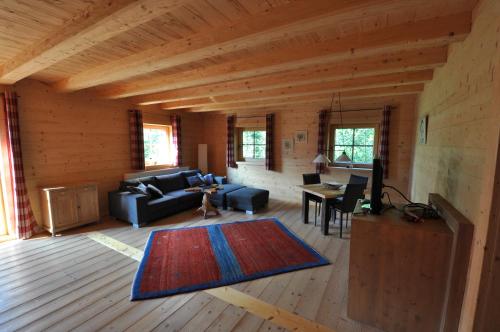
327,196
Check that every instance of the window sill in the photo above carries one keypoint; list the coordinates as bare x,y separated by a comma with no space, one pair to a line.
361,169
158,167
251,163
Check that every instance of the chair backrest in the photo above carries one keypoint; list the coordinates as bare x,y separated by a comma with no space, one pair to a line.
311,178
353,192
357,179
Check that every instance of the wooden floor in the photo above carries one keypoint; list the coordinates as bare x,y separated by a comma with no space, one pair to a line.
73,282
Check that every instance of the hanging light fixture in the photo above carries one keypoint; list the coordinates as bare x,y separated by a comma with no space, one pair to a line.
343,158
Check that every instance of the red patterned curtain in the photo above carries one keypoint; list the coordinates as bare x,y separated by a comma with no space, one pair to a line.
384,140
269,142
320,168
175,120
26,224
230,159
136,140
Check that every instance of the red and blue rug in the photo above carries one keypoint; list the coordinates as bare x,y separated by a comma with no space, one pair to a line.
195,258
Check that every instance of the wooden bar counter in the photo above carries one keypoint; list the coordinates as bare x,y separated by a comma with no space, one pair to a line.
398,271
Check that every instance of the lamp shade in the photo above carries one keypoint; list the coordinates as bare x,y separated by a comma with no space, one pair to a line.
343,158
321,159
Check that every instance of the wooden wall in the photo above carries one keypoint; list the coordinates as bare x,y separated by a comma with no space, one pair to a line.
288,174
464,119
70,138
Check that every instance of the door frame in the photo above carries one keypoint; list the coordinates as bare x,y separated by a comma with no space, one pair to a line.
486,298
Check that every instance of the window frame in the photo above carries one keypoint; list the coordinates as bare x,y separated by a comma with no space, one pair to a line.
239,144
168,130
331,143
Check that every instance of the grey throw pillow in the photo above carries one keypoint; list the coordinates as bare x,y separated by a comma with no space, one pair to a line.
154,192
140,189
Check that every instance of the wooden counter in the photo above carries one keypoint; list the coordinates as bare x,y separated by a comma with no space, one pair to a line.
398,272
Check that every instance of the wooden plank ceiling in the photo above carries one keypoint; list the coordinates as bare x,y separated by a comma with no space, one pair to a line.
219,55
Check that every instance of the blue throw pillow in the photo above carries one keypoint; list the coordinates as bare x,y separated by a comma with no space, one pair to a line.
194,181
209,179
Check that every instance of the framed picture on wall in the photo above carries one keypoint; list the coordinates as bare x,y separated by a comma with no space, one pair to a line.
300,136
422,129
287,146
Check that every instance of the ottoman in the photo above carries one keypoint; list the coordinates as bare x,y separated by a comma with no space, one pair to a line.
248,199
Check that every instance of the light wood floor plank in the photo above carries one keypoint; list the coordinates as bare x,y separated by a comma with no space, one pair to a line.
73,282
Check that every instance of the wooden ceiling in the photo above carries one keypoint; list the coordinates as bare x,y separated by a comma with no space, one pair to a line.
216,55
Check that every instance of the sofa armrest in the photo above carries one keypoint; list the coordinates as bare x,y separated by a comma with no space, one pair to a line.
127,206
220,179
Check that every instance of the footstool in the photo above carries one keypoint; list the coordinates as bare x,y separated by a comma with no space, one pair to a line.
247,199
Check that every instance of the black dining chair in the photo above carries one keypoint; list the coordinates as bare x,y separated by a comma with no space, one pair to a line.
346,205
313,178
358,179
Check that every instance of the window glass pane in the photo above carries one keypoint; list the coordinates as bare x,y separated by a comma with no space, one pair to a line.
248,137
340,149
364,136
363,155
156,146
344,136
248,151
260,137
260,151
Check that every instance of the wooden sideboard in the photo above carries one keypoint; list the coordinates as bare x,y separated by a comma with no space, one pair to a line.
66,207
398,272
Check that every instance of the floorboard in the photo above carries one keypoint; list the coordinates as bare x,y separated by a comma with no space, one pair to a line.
73,282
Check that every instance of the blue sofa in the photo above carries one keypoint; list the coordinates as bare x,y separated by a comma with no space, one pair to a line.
139,209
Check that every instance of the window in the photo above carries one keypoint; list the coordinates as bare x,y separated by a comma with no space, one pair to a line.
358,142
252,144
157,145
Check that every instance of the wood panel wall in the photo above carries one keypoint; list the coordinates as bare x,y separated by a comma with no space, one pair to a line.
71,138
464,120
289,168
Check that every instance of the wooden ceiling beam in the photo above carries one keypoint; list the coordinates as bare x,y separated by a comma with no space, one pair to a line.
272,25
99,22
325,103
410,35
362,93
360,83
381,64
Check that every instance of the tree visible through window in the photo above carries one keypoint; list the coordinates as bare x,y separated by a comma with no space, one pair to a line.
157,145
358,144
253,144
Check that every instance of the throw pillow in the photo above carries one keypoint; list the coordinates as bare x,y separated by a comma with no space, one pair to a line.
194,181
140,189
209,179
154,192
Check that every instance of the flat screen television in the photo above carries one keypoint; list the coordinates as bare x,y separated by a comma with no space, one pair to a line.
377,185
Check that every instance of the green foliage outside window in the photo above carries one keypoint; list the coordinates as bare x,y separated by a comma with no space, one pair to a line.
358,144
254,144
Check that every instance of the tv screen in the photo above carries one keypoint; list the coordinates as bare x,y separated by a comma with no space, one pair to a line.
377,184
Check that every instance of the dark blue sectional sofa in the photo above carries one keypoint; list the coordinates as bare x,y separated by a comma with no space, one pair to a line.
139,209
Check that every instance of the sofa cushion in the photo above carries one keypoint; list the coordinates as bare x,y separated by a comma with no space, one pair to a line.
170,182
186,197
165,203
